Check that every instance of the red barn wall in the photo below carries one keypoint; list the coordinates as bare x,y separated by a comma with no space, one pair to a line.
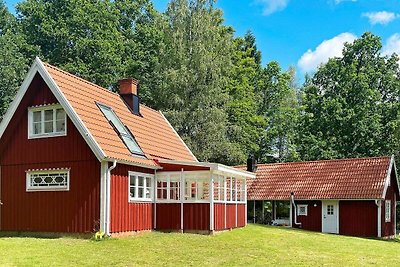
196,216
128,216
219,216
76,210
168,216
313,220
388,228
230,216
358,218
241,214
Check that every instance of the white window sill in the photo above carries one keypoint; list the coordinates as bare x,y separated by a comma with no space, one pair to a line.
147,200
47,135
47,189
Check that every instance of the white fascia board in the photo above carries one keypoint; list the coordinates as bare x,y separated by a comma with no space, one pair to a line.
388,176
233,171
84,131
178,136
395,174
214,167
18,97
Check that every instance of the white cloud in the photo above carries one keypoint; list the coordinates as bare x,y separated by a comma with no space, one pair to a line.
392,45
337,2
381,17
271,6
310,60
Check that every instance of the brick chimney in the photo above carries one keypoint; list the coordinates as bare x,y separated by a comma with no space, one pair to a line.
129,91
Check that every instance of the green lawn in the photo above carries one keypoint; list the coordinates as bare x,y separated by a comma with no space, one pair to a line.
251,246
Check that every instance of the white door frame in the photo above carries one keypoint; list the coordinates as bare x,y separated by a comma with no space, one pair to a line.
335,203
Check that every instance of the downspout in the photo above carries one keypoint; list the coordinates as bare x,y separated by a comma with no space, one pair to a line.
378,202
108,196
295,209
155,200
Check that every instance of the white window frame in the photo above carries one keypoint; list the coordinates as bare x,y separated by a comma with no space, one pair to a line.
145,176
388,211
305,213
168,179
201,189
42,109
30,188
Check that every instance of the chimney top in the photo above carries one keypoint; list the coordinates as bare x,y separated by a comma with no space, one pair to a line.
251,163
128,86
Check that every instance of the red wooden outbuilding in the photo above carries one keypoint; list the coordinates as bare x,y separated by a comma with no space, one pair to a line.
354,197
77,158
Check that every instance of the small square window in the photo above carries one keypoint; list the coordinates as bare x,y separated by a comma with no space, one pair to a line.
302,210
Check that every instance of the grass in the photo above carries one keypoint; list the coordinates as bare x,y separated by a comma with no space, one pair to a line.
254,245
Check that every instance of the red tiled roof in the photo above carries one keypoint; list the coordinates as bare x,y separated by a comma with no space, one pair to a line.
151,130
362,178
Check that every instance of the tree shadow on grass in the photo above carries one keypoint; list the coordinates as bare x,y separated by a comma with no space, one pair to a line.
290,229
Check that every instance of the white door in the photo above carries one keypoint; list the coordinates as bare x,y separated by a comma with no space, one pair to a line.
330,217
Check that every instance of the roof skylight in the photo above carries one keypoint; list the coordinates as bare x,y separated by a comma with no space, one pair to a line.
121,129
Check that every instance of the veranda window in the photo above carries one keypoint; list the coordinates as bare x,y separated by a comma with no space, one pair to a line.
197,189
219,188
168,187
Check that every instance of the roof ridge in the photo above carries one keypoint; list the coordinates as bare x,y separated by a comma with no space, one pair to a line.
315,161
91,83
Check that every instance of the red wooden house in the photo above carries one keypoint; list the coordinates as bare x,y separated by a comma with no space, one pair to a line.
350,196
75,158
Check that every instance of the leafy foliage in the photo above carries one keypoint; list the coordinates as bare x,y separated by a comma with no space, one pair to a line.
351,107
210,85
13,62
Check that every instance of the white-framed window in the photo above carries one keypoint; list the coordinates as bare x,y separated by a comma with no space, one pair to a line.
168,187
197,189
219,188
47,121
50,180
302,210
388,210
140,186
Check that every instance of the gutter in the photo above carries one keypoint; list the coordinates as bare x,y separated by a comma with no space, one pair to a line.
108,196
295,209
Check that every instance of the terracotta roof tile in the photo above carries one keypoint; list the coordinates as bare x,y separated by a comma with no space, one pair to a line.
151,130
362,178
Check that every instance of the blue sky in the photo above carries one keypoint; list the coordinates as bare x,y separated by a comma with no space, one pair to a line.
305,33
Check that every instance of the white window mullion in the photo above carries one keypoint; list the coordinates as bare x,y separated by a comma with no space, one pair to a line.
168,187
54,120
42,121
137,186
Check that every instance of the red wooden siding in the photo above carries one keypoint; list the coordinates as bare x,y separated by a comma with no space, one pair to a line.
388,227
358,218
76,210
219,216
241,214
230,216
126,216
179,167
168,216
313,220
196,216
